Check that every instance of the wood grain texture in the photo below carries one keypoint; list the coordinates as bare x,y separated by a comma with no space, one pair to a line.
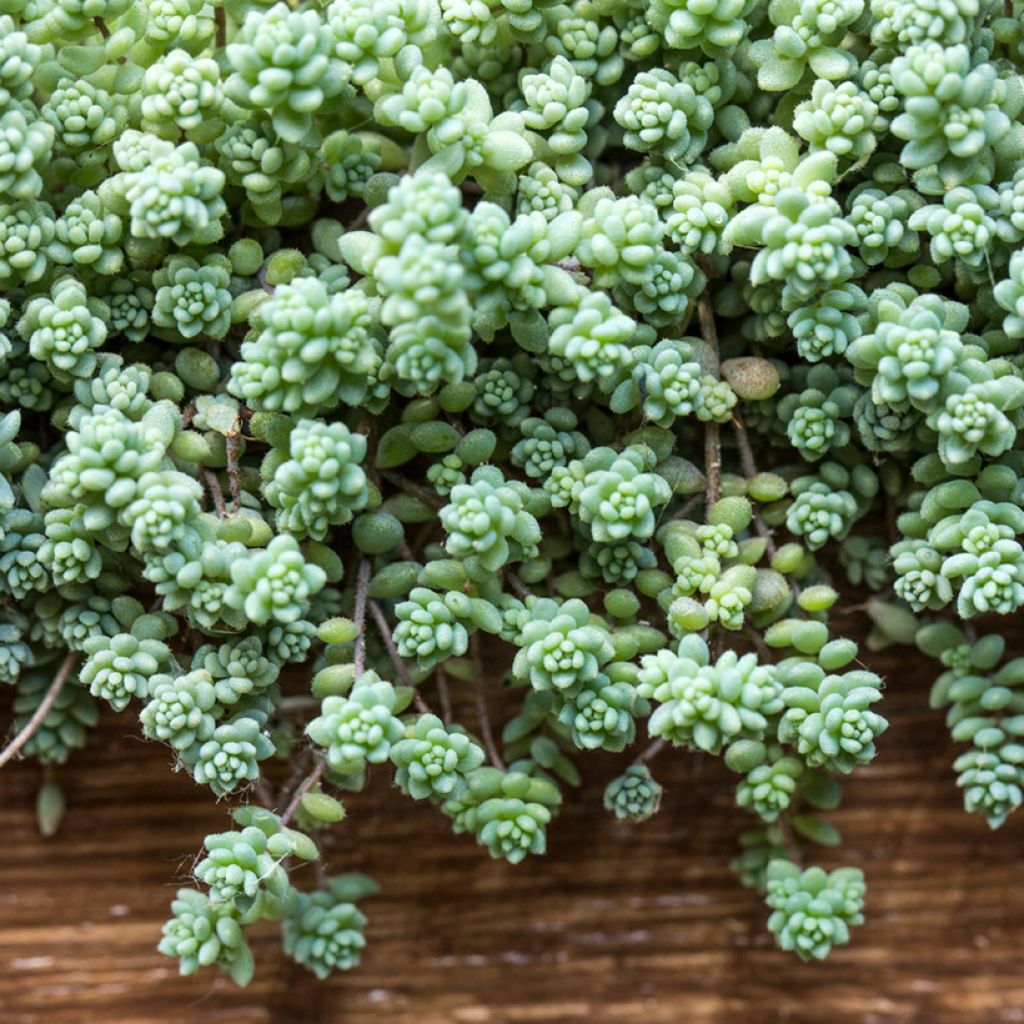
618,923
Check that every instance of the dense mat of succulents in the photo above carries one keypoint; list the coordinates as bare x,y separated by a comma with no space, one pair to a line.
348,348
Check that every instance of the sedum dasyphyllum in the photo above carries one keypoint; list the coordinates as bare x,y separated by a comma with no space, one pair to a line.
365,360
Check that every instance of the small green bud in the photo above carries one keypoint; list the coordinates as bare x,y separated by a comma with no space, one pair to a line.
396,447
485,616
322,807
273,427
334,680
325,236
682,475
651,582
420,410
456,398
246,257
191,446
660,441
625,645
621,604
443,574
622,671
166,386
243,306
535,570
771,593
377,532
751,550
326,558
649,638
751,377
393,581
807,637
337,630
435,437
236,528
893,620
477,446
407,508
818,598
687,615
378,186
573,584
788,558
282,266
780,634
745,755
198,369
735,513
767,487
818,831
820,791
733,485
837,654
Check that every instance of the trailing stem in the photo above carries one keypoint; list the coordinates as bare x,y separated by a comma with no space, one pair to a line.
712,431
40,713
359,660
750,470
396,659
481,705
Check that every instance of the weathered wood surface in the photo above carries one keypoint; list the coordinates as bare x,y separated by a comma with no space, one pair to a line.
618,924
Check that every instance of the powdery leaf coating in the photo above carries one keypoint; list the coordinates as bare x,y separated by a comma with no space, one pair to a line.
359,727
813,910
704,706
522,344
276,583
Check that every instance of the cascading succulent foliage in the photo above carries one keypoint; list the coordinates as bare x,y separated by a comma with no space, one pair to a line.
354,352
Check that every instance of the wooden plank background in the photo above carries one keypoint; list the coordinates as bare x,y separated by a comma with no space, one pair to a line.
618,923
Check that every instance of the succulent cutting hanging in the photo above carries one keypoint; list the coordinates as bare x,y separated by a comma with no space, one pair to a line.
349,347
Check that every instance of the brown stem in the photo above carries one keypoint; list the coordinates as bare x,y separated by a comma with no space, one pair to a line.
359,658
708,330
713,463
789,841
263,793
743,443
359,648
221,21
410,488
446,698
307,784
651,751
396,659
517,585
295,776
891,528
361,220
233,471
481,705
217,494
750,470
712,431
32,725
